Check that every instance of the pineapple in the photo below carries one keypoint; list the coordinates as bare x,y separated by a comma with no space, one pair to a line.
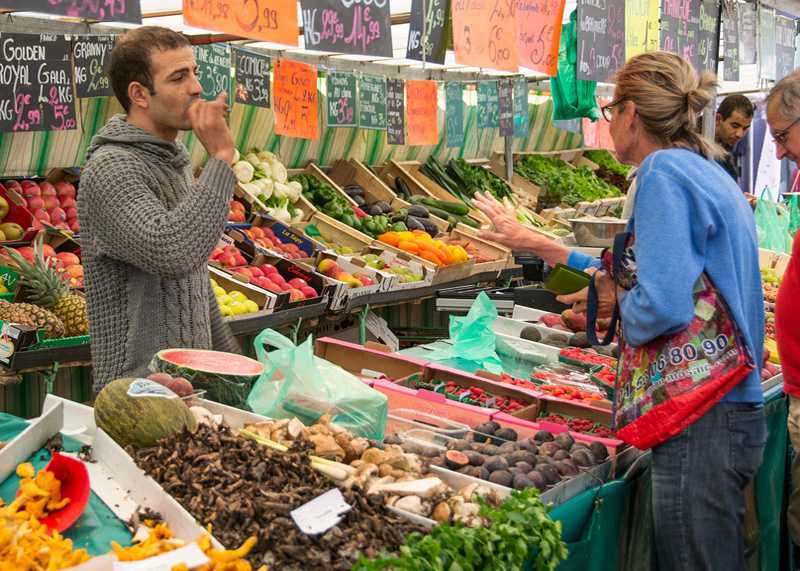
42,286
33,316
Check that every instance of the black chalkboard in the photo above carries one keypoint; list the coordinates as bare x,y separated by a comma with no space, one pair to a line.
730,28
37,91
372,102
680,29
747,33
91,58
505,105
454,114
708,56
601,38
521,107
213,69
785,33
251,70
434,42
341,99
102,11
766,42
395,112
348,27
488,108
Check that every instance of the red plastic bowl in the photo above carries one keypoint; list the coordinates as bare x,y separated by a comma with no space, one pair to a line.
75,485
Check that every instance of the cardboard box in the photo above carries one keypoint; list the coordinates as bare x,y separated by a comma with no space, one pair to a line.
265,300
435,371
366,362
335,232
499,256
13,339
384,281
289,235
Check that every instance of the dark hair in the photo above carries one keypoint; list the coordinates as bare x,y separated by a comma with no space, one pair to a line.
735,103
130,58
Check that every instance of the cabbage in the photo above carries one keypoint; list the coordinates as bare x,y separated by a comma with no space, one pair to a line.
244,171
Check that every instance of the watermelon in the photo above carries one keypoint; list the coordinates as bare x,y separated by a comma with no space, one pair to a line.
139,412
226,377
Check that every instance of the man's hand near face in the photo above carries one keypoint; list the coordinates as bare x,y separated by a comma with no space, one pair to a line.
208,123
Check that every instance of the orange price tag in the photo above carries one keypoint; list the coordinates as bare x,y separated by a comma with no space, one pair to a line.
423,125
539,34
485,33
294,99
270,20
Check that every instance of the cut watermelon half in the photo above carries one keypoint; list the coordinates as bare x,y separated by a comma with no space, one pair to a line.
226,377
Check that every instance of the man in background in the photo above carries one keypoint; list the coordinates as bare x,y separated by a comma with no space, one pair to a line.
734,116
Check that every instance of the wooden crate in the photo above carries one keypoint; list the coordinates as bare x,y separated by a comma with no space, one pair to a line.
500,256
334,231
524,190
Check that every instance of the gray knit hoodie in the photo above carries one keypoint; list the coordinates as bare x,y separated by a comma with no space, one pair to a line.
147,229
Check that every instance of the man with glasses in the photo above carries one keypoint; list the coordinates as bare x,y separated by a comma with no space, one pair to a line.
783,117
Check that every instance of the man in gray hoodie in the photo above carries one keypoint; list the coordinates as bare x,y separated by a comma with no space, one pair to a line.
147,226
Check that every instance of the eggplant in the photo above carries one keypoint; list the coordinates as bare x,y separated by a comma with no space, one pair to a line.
418,211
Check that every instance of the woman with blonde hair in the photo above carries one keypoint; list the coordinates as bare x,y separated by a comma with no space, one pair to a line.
685,284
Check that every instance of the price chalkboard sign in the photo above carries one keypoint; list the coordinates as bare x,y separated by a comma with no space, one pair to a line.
505,106
730,27
601,38
454,114
102,11
36,93
766,42
521,107
341,88
251,70
395,112
708,46
785,32
347,26
91,58
747,33
488,105
372,102
680,29
429,45
213,69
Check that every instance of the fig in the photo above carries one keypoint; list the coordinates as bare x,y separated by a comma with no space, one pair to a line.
484,473
523,456
531,333
549,473
491,450
599,451
496,464
521,482
566,468
564,440
502,478
523,467
507,434
561,455
537,479
583,457
580,340
456,460
549,448
508,447
458,445
529,444
544,436
475,458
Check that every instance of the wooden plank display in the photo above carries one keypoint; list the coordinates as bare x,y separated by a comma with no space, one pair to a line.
747,33
91,58
295,102
485,33
454,114
708,56
429,45
680,28
505,106
251,70
539,34
341,100
601,38
349,27
213,69
36,92
730,23
395,112
107,11
275,21
488,109
766,41
372,102
785,35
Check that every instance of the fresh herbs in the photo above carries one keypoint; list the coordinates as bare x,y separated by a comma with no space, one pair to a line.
519,530
561,183
475,178
610,170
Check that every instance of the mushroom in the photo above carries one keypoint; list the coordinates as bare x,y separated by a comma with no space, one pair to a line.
441,512
411,504
295,428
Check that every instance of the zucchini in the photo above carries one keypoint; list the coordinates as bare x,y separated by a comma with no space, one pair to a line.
469,221
402,188
443,214
457,208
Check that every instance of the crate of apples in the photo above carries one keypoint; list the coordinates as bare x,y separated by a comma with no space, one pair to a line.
269,278
228,257
236,212
331,269
67,264
54,204
266,238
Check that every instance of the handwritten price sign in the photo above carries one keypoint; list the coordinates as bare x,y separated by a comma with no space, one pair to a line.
35,83
100,10
423,126
91,56
454,114
213,69
269,20
539,34
295,100
601,38
731,50
341,89
372,102
429,44
348,26
395,112
680,28
485,33
641,27
251,70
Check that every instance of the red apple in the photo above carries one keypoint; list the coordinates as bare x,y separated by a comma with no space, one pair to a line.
26,252
51,202
35,202
57,215
41,215
297,283
240,261
68,259
309,292
72,213
68,202
48,251
24,184
48,189
295,295
215,253
75,226
65,189
227,260
29,192
269,269
256,272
